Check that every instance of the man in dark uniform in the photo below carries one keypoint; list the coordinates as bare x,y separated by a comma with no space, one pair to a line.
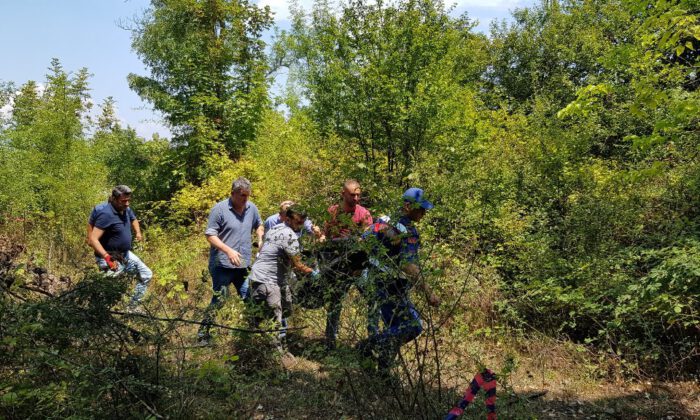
394,269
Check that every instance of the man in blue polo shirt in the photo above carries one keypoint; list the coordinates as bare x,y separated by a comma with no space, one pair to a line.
229,232
109,234
279,218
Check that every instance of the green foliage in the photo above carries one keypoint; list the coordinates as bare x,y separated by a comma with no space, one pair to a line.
144,165
50,173
64,356
208,75
576,202
379,76
285,162
561,153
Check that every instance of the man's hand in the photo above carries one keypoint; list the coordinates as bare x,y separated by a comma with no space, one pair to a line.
139,237
111,263
235,257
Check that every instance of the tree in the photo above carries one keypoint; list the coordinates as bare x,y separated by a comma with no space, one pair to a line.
207,76
130,159
381,76
50,174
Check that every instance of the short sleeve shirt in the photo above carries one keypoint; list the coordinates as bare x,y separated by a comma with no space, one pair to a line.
274,262
343,225
275,220
116,226
234,230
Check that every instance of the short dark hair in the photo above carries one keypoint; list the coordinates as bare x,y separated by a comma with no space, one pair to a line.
295,210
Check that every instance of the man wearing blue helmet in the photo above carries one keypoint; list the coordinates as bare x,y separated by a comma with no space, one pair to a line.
394,270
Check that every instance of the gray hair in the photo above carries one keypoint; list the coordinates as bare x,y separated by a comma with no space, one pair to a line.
119,191
241,184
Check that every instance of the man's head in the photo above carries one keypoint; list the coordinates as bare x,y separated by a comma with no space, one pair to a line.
240,191
351,194
295,217
120,198
414,204
283,209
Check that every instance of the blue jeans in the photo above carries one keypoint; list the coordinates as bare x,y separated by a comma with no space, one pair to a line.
134,266
222,278
402,323
368,289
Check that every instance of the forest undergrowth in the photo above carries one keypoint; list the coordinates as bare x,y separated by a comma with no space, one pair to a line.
561,151
72,350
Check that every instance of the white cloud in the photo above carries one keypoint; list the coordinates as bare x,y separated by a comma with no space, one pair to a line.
147,128
6,111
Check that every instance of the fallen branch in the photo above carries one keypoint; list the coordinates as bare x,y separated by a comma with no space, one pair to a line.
210,324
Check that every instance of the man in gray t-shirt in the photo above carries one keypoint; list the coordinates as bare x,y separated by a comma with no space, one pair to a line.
279,253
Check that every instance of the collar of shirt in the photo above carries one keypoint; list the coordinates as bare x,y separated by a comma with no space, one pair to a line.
111,206
230,206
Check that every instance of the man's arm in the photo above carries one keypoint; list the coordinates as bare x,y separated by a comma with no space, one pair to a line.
414,273
318,233
94,241
89,231
310,227
299,266
212,232
231,253
331,222
137,229
367,219
260,232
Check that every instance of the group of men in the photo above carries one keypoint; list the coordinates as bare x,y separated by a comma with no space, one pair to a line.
384,272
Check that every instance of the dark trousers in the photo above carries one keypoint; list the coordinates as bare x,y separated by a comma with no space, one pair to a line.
402,323
222,278
342,265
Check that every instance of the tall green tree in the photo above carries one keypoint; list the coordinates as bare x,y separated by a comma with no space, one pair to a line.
132,160
382,75
207,76
51,176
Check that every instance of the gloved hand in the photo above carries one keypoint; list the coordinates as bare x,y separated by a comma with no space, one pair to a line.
111,263
315,274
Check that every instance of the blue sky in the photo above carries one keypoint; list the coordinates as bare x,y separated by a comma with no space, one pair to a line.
82,33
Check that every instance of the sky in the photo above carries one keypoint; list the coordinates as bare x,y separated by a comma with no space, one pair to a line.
89,33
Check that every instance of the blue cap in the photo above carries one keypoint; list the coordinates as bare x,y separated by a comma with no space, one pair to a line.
416,195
